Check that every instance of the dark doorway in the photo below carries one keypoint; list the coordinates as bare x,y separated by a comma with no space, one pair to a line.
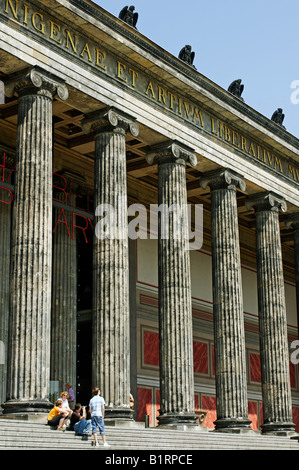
84,384
84,324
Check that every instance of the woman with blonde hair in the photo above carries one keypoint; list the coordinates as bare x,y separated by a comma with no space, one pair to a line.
65,404
58,416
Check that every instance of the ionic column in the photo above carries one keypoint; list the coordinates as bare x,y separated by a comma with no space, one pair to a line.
64,284
111,327
229,335
30,294
6,199
175,302
276,389
293,222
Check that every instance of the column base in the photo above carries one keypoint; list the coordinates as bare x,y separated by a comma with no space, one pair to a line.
183,427
237,426
183,422
118,414
278,429
119,423
29,410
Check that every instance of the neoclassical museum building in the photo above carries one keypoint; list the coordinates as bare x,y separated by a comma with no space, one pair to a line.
93,116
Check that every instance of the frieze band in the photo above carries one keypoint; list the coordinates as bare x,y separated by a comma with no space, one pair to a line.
146,87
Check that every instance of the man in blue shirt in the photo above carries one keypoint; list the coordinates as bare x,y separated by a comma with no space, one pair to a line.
97,412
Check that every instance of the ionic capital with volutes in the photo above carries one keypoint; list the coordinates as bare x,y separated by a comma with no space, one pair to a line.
110,119
266,201
36,81
223,178
171,152
292,221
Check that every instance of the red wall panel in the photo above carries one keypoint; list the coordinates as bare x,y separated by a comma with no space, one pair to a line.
255,367
151,348
209,404
253,415
200,355
144,404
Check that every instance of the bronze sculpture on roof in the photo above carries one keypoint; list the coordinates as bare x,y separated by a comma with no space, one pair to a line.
128,16
236,88
186,55
278,117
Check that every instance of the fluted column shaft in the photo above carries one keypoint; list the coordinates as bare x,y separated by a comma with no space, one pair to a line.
175,302
276,389
229,335
30,294
64,299
293,222
111,331
5,237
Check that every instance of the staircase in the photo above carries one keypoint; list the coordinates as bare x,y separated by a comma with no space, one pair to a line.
24,435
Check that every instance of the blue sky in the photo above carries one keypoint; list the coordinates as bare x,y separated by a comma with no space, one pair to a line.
257,41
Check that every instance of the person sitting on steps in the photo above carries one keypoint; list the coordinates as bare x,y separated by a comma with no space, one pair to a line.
79,423
58,416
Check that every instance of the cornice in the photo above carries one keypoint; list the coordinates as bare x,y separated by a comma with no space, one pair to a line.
178,66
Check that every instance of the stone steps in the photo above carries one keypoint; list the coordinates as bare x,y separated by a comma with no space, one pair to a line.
24,435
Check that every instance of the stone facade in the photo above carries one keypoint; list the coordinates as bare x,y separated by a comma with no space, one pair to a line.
121,137
230,362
